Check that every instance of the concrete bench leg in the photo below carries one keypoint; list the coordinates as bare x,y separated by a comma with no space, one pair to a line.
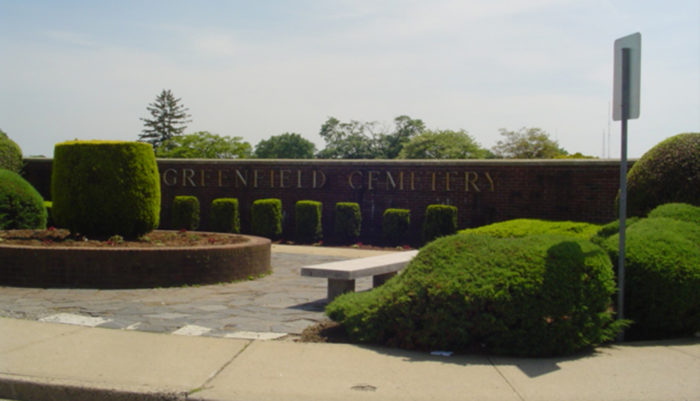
380,279
339,286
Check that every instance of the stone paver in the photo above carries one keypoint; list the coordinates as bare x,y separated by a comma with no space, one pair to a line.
282,302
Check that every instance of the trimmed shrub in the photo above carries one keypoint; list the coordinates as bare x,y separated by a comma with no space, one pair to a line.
611,229
395,225
10,154
662,277
533,296
21,206
440,220
266,218
185,212
49,220
308,221
523,227
348,221
668,172
105,188
224,215
678,211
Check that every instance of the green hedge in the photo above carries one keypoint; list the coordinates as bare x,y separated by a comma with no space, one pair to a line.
395,226
678,211
224,215
523,227
105,188
21,206
610,229
668,172
537,295
266,218
185,212
662,277
308,221
440,220
10,154
348,221
48,205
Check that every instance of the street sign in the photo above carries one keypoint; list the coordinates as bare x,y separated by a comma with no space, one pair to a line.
628,56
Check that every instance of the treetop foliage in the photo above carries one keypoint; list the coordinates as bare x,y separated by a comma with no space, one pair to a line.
169,119
285,146
204,145
443,144
527,143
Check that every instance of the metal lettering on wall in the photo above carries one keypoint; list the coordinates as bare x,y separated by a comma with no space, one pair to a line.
372,180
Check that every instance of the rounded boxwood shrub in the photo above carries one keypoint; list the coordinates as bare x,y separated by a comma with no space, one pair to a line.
440,220
523,227
678,211
10,154
538,295
395,225
662,277
266,218
668,172
308,221
348,221
105,188
185,212
21,206
610,229
225,216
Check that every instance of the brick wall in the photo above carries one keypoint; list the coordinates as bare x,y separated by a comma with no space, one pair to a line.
484,191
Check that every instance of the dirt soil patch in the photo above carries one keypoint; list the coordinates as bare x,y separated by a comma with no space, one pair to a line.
326,331
155,239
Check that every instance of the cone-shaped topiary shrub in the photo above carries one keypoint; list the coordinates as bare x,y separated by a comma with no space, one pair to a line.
10,154
348,221
395,226
308,221
668,172
440,220
266,218
678,211
185,212
523,227
224,215
105,188
21,206
662,277
536,296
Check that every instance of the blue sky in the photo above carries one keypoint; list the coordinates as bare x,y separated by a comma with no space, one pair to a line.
88,69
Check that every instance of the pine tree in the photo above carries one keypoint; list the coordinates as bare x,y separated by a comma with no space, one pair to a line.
169,119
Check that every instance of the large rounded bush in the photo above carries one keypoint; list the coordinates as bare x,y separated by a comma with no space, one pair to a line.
678,211
10,154
662,277
103,188
536,295
21,206
669,172
524,227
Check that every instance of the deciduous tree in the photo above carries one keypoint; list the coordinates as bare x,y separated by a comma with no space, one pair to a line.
285,146
204,145
527,143
443,144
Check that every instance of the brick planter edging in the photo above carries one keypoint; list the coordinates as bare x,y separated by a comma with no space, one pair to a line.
113,267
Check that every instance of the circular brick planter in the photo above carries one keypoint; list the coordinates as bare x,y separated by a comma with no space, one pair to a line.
114,267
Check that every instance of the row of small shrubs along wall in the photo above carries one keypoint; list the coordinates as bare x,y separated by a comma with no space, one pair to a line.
266,220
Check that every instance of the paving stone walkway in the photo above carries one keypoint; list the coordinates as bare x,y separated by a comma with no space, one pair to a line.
280,305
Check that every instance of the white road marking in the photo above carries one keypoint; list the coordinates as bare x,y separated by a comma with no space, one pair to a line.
78,320
192,330
255,335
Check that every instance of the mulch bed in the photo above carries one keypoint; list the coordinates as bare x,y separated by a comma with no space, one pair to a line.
54,237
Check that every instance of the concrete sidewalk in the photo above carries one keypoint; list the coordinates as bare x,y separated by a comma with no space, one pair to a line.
47,361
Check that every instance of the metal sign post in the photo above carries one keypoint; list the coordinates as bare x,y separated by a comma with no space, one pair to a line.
626,106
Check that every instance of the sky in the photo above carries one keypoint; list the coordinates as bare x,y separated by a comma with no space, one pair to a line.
254,69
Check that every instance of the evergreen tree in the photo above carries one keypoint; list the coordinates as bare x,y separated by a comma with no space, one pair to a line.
169,119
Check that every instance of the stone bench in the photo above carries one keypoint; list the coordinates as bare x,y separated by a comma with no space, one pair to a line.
341,275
